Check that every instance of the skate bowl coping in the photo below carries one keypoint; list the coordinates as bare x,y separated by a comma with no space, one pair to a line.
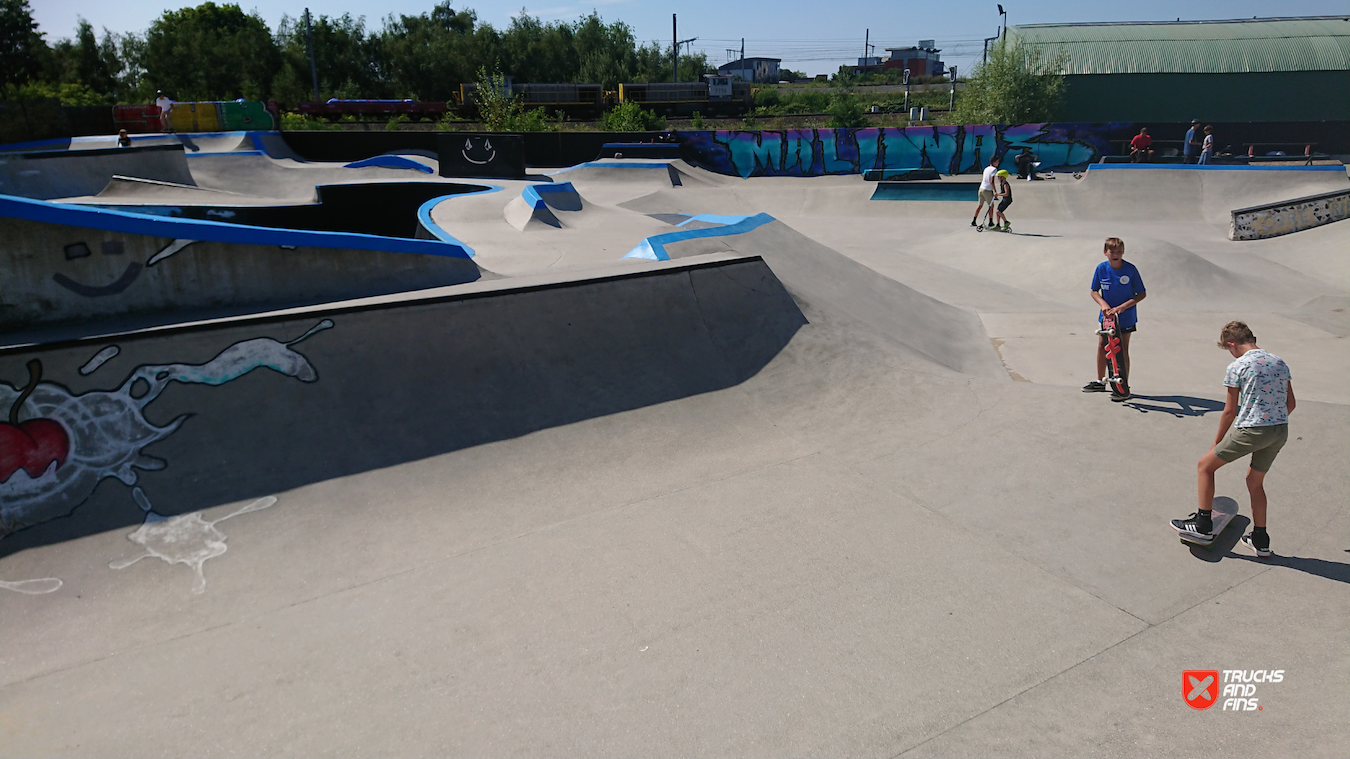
1288,216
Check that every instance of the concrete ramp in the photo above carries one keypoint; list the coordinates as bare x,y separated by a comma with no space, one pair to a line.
827,282
411,378
60,174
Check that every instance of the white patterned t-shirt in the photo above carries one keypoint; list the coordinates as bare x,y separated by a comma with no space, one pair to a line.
1262,380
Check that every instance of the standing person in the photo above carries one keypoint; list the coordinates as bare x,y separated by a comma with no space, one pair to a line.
1207,148
1140,147
1260,400
987,191
1003,191
165,105
1117,288
1192,147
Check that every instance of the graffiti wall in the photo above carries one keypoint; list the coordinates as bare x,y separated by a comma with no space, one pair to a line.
947,149
1275,219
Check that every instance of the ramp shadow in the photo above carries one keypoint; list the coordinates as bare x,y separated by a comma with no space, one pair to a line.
392,384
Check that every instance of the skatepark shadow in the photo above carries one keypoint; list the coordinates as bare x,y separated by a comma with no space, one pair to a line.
1185,405
1331,570
371,387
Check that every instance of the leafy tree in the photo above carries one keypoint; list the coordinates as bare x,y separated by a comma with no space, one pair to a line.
502,113
211,52
22,50
426,57
344,56
1019,84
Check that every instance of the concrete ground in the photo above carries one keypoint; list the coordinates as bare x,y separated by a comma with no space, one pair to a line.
826,487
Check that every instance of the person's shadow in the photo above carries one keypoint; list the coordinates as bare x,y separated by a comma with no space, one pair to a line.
1179,405
1332,570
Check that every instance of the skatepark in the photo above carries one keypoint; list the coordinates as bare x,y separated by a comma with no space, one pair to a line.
637,458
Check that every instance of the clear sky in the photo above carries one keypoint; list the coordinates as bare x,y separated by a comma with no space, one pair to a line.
815,37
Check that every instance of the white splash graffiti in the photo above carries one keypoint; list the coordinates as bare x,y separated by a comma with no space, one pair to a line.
182,539
99,359
32,587
108,429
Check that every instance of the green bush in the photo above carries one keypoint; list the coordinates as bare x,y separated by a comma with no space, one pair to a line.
393,124
846,112
697,122
299,122
628,116
501,113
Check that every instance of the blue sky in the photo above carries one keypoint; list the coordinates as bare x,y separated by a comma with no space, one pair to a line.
815,37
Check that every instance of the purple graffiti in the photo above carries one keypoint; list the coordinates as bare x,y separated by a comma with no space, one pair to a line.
951,149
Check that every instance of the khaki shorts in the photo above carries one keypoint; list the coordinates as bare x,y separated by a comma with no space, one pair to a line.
987,196
1263,443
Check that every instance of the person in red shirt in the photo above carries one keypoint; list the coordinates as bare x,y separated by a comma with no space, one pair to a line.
1140,147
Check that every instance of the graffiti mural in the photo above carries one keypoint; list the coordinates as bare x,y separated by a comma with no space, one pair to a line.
1275,219
947,149
51,461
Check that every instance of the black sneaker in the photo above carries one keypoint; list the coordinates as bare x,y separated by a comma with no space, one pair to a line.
1199,524
973,224
1120,397
1094,387
1250,540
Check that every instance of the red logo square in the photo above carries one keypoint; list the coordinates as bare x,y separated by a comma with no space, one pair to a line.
1200,687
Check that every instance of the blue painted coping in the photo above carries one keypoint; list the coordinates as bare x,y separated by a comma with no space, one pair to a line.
424,218
533,193
611,165
1196,167
390,162
215,231
654,248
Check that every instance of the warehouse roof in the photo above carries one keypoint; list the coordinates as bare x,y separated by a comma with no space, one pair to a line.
1320,43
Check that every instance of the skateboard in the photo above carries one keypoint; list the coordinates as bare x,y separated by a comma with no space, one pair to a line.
1222,514
1115,376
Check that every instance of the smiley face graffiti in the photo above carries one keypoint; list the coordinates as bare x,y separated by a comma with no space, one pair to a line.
478,150
80,250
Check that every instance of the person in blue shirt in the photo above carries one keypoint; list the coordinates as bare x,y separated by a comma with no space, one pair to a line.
1117,288
1193,142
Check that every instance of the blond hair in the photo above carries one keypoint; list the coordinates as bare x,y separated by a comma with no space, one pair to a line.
1236,332
1115,243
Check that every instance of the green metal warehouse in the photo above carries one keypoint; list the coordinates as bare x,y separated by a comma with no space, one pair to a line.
1269,69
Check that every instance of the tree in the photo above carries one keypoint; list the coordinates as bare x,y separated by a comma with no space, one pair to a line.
211,52
1019,84
22,49
427,57
344,56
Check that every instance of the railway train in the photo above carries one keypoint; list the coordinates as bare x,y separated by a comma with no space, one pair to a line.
715,96
334,108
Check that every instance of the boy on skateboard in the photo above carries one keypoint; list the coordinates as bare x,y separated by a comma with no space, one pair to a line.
1117,288
1260,400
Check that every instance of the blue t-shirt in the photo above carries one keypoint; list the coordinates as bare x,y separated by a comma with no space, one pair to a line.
1118,286
1191,134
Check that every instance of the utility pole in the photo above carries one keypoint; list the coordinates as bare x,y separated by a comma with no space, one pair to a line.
743,58
952,105
867,37
674,50
313,70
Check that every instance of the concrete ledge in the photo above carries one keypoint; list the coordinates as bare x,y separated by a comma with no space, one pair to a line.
1275,219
